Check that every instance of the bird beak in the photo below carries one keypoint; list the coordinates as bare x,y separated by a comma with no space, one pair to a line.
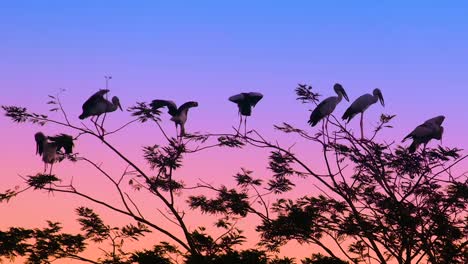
120,106
345,95
382,100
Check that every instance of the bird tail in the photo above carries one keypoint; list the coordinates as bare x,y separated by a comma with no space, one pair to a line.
404,139
312,122
315,117
412,148
347,115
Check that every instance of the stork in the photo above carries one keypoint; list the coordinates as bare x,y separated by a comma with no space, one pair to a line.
422,134
179,115
97,105
361,104
327,106
245,102
50,148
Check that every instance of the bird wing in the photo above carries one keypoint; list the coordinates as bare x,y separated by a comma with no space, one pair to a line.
438,120
94,99
323,109
421,131
39,137
328,105
187,105
238,98
171,106
94,104
358,106
63,141
254,98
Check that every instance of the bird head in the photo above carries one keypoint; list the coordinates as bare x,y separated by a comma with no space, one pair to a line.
116,101
40,139
379,95
340,90
437,120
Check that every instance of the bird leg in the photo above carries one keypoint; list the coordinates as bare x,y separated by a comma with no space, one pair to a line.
245,126
326,124
51,165
362,129
45,167
95,122
102,123
323,131
240,123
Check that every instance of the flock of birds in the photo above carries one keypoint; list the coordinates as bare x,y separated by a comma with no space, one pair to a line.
422,134
50,147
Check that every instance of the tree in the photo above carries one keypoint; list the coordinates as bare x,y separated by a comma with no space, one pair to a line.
376,203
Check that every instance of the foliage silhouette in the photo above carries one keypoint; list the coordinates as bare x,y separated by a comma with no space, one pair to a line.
375,203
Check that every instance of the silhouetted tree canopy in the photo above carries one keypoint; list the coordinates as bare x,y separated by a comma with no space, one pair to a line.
376,202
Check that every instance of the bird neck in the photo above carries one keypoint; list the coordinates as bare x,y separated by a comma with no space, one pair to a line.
375,98
112,107
340,96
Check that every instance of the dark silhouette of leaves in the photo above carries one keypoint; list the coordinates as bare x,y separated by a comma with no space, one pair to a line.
41,180
40,245
305,95
228,201
21,115
145,112
369,201
230,141
92,224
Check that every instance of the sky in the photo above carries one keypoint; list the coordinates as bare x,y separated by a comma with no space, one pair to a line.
416,52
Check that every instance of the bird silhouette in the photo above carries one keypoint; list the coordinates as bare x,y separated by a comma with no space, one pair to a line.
179,115
97,105
327,106
361,104
50,148
245,102
422,134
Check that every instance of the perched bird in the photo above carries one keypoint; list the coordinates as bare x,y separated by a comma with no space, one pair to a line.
50,148
422,134
97,105
245,102
361,104
327,106
179,115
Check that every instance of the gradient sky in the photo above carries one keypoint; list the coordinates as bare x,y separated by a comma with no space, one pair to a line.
415,51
